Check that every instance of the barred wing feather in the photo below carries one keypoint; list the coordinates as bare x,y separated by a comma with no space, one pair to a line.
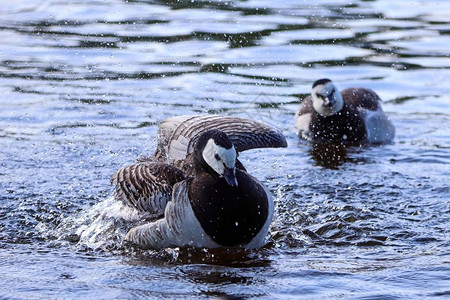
177,135
146,186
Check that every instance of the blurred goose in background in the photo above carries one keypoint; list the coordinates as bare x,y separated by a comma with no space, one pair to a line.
196,185
353,116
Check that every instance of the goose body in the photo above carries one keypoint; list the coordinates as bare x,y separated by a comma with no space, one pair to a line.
353,116
194,183
204,212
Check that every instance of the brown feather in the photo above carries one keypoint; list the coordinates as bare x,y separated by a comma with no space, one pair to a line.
245,134
146,186
360,97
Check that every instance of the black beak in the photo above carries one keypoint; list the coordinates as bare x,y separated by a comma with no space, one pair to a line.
329,102
230,176
330,99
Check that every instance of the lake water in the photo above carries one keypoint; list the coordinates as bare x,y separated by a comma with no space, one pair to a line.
85,83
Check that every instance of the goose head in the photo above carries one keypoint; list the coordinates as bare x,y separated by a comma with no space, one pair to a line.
326,98
216,153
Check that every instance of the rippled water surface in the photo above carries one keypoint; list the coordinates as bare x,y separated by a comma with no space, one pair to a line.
85,83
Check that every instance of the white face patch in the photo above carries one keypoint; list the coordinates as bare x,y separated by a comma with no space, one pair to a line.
321,99
226,157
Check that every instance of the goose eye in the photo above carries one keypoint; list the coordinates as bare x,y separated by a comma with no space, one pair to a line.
216,156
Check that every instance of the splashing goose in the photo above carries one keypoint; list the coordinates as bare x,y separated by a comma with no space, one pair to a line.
195,180
353,116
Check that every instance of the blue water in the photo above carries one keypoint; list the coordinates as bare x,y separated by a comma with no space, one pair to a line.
85,83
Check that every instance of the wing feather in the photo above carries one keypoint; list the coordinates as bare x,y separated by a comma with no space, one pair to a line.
179,134
146,186
362,98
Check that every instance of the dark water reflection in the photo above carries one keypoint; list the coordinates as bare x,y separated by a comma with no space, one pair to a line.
85,83
329,155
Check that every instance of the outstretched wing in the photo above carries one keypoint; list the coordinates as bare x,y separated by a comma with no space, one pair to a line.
177,135
146,186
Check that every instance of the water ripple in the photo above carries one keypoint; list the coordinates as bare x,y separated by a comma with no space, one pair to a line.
84,85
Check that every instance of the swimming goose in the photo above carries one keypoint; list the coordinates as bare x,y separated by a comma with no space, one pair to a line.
215,202
353,116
